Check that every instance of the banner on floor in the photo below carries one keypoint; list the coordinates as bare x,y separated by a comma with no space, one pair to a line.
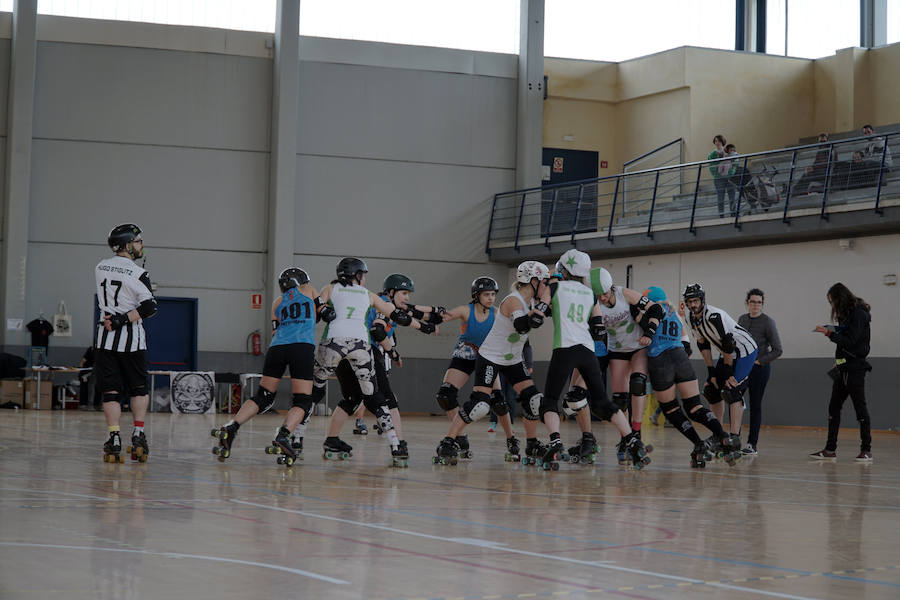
193,392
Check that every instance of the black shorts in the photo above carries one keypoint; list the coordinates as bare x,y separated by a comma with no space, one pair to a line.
122,372
670,367
623,355
300,358
462,364
486,372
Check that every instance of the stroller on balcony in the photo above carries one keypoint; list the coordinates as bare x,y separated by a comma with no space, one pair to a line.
759,189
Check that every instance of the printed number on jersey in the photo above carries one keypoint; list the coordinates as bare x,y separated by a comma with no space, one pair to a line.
113,283
576,313
294,311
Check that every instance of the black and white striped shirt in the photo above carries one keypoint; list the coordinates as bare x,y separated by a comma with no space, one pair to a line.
714,325
121,287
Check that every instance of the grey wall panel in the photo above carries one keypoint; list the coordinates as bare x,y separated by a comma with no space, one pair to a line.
147,96
4,83
399,114
221,281
2,179
394,209
186,198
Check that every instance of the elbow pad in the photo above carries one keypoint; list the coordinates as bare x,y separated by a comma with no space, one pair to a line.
598,330
687,348
378,332
643,302
728,343
704,345
147,308
543,307
324,312
401,317
522,324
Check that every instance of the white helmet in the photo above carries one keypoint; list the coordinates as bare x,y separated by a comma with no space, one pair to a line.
601,281
576,262
530,269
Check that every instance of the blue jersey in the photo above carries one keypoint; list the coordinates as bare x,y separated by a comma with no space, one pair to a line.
600,349
296,319
373,314
473,332
668,334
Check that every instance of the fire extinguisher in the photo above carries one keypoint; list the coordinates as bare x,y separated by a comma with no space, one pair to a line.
254,342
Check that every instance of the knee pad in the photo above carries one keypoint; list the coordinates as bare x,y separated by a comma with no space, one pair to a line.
303,401
139,390
383,420
711,393
478,406
530,399
498,403
264,399
576,399
733,395
547,406
690,404
620,400
675,416
637,384
318,394
107,397
349,405
447,396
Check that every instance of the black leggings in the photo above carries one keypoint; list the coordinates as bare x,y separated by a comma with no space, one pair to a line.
562,362
852,383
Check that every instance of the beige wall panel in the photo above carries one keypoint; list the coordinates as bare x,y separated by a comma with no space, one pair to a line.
651,121
885,71
592,124
582,79
652,74
824,94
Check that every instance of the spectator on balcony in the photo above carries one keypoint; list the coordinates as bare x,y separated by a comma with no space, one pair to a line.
815,174
875,148
735,173
720,179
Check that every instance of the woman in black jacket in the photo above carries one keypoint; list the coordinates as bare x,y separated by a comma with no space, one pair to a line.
851,337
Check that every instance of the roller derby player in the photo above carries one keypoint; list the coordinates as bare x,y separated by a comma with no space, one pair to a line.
477,319
125,299
670,368
577,323
347,337
730,376
294,316
501,351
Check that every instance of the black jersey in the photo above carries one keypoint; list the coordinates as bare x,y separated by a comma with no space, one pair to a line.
714,325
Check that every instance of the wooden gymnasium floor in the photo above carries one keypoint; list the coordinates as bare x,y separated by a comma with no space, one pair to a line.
185,526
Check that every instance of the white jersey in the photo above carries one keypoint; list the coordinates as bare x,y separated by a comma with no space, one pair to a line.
503,344
350,303
121,287
622,331
572,303
714,324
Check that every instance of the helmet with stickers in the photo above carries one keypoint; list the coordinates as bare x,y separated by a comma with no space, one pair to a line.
530,269
398,281
484,284
292,277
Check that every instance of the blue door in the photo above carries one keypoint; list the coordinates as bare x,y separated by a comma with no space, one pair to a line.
568,212
172,335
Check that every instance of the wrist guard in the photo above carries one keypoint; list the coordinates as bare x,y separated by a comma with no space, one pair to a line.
118,321
426,328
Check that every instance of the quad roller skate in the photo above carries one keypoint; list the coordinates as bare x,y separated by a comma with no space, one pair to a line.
139,450
534,450
336,448
731,449
400,456
447,452
462,441
297,445
112,449
225,435
513,454
584,452
700,455
360,428
621,454
714,446
552,453
282,446
637,452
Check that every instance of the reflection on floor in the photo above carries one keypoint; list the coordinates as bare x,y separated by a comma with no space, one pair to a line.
184,525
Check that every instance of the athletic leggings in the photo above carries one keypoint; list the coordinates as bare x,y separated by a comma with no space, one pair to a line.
852,383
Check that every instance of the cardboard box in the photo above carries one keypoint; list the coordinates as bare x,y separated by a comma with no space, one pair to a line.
31,400
12,390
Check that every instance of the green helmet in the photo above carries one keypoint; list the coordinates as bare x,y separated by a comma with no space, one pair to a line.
398,281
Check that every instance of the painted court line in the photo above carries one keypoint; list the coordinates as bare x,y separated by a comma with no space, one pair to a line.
180,555
500,548
36,491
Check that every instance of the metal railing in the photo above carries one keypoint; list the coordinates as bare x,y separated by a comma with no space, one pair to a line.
667,155
776,184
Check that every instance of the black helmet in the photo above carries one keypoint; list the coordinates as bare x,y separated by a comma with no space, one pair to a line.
694,290
121,235
484,284
398,281
349,267
292,277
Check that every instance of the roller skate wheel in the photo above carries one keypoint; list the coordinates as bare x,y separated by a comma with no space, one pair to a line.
215,450
129,450
454,460
648,448
573,459
554,466
525,461
214,433
645,460
435,460
289,461
271,450
328,454
225,453
142,458
345,456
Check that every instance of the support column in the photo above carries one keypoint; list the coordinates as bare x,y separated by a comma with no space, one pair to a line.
530,117
872,23
283,157
20,113
750,26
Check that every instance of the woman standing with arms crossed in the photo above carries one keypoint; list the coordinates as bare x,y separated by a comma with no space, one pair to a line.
762,328
851,337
